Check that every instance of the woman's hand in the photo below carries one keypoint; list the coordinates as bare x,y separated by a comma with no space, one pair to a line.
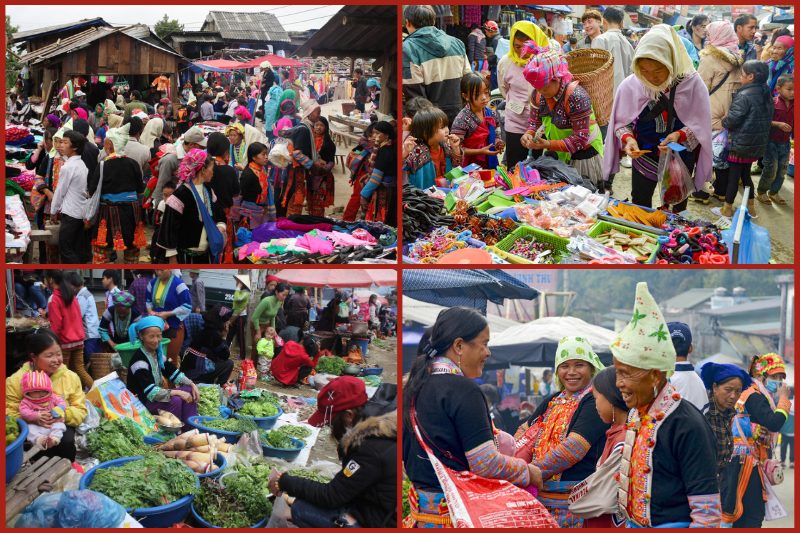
408,145
783,391
487,150
632,148
541,144
272,482
183,395
673,137
499,146
238,166
535,475
526,140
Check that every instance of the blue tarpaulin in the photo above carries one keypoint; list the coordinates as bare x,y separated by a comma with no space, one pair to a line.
469,288
557,9
199,67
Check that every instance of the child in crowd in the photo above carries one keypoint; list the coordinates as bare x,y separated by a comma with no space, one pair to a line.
748,122
412,107
111,285
40,404
475,124
156,252
267,347
435,152
776,157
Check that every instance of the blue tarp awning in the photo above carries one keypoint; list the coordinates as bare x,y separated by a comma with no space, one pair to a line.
469,288
557,9
199,67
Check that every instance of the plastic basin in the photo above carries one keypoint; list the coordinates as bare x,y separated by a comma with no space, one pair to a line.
361,343
287,454
127,349
203,523
230,437
153,441
263,422
376,371
221,463
161,516
14,451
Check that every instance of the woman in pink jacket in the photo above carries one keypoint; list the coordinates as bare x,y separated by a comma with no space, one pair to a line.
64,313
516,90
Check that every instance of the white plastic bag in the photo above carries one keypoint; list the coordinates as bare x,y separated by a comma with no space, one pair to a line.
279,154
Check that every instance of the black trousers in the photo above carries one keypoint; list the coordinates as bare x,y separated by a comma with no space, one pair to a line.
642,190
721,181
239,331
220,375
739,171
752,501
73,241
65,448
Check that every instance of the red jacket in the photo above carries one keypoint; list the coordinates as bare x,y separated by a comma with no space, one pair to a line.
286,365
784,112
65,320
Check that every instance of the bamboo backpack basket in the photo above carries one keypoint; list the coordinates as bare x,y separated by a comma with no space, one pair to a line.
594,69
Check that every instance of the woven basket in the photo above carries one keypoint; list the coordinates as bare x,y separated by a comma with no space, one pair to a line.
594,69
100,364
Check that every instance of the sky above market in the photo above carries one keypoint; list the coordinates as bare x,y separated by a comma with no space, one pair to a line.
292,17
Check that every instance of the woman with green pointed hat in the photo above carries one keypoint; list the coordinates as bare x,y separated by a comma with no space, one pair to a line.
565,436
668,476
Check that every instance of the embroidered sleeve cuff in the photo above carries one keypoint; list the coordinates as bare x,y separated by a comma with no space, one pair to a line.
706,510
564,456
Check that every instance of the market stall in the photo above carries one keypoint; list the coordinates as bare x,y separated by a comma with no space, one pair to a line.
544,212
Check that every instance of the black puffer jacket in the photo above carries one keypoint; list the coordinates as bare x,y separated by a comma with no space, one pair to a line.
367,484
749,120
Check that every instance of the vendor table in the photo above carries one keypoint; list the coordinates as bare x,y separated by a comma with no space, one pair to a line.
350,122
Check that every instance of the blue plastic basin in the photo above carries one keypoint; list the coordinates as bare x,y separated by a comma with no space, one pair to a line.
287,454
203,523
230,437
221,463
263,422
14,451
161,516
376,371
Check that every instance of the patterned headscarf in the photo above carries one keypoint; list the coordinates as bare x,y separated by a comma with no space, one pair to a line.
243,113
191,164
119,137
571,348
721,34
532,32
767,364
236,126
288,94
287,107
546,65
124,299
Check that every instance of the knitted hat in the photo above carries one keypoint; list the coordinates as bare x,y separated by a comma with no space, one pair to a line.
547,64
572,348
645,342
767,365
36,381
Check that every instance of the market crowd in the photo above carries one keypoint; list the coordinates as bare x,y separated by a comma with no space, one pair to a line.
647,442
720,89
232,152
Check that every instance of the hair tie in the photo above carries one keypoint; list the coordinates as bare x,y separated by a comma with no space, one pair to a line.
430,352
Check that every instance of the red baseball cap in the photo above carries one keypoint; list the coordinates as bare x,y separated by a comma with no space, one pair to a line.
342,393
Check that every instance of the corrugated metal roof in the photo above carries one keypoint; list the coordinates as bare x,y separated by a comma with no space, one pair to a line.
761,305
246,26
81,40
21,36
355,31
688,299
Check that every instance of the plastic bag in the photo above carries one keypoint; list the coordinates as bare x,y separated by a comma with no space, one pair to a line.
719,148
110,395
675,179
72,509
281,516
754,245
279,154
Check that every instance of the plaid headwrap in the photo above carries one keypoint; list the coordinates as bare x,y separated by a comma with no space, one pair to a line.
288,107
767,364
191,164
546,65
720,422
123,298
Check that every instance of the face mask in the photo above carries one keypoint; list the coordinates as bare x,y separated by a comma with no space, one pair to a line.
772,385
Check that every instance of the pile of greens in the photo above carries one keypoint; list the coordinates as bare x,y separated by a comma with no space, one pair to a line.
259,408
235,425
331,365
149,482
209,402
298,432
222,508
249,485
12,430
371,381
276,439
113,439
309,474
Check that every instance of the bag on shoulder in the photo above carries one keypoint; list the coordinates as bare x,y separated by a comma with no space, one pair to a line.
597,494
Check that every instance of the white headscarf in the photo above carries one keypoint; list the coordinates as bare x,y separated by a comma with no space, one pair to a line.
119,137
662,44
151,132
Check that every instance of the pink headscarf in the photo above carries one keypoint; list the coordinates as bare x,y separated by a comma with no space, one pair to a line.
545,65
191,164
722,35
243,113
81,112
786,41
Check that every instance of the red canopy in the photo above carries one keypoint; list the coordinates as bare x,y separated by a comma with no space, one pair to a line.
275,61
220,63
309,277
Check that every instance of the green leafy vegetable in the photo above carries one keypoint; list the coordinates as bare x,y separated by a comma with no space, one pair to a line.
298,432
276,439
249,485
209,402
222,508
331,365
116,438
149,482
309,474
12,430
259,408
236,425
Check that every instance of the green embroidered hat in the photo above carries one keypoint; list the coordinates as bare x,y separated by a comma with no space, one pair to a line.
645,342
580,348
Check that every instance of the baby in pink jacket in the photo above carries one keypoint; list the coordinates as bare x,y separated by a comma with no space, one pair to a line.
38,397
